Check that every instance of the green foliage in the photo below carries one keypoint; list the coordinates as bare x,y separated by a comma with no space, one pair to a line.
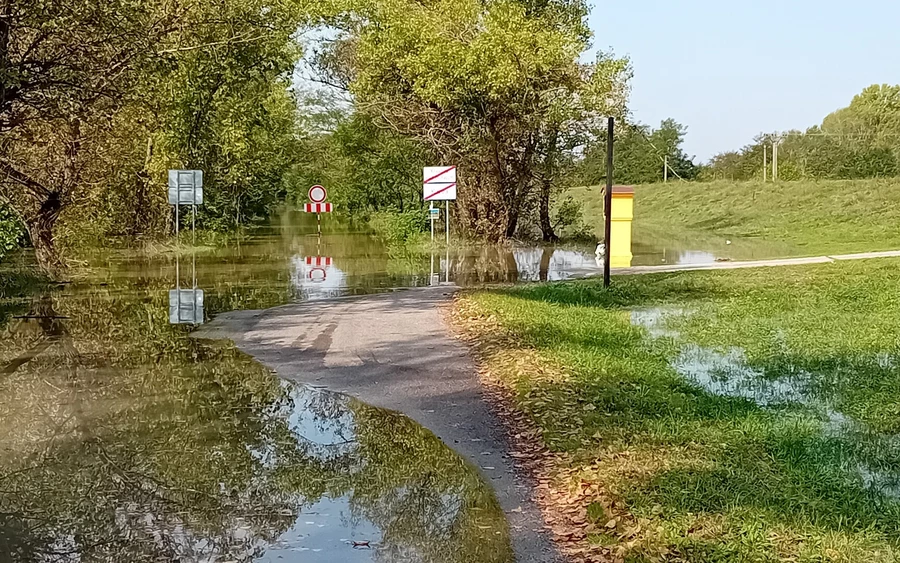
366,168
88,133
859,141
495,87
12,235
568,220
640,155
398,229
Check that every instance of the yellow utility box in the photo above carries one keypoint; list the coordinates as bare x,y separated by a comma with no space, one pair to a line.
620,255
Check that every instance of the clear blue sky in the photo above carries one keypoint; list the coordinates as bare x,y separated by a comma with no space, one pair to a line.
729,70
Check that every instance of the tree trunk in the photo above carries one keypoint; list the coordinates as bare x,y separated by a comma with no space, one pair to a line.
5,102
40,228
546,225
512,221
544,268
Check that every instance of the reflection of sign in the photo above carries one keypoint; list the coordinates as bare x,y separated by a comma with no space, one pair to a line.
186,306
185,187
318,261
317,275
439,183
318,208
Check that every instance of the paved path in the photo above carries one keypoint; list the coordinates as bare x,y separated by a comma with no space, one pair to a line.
394,351
755,263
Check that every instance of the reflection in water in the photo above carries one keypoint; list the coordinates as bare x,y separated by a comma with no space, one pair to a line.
870,456
123,439
186,305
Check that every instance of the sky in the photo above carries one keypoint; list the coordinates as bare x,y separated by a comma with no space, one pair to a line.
730,70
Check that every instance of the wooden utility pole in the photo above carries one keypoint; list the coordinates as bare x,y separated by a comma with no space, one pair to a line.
765,163
607,199
775,162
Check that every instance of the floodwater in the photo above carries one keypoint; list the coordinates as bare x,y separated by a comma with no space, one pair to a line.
124,439
869,456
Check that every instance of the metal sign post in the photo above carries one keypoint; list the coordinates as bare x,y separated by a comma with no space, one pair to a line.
607,199
439,183
186,188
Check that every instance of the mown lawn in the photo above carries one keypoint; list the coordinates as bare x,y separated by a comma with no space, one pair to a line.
749,415
794,218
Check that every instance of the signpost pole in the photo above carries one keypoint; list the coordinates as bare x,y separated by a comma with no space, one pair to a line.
431,220
607,199
447,225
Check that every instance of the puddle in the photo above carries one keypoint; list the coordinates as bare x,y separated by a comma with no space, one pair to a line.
727,373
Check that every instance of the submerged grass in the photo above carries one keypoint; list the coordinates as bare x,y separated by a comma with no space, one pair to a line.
701,473
807,217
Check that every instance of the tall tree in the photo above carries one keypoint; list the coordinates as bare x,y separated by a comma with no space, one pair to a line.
479,83
70,70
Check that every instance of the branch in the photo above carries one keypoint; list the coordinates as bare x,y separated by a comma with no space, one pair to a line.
232,41
34,186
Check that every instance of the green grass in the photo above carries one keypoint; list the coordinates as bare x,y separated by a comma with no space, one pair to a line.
794,218
716,475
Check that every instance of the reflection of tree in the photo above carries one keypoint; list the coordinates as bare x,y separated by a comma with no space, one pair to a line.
125,440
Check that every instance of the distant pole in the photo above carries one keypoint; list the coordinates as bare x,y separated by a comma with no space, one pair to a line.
666,170
607,199
775,161
765,162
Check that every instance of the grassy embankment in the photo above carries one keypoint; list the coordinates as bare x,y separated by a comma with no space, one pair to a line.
757,420
793,218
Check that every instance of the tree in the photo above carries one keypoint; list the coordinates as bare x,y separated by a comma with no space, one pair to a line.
485,85
79,77
640,155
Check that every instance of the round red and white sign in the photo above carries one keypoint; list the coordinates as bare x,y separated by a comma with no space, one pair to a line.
317,194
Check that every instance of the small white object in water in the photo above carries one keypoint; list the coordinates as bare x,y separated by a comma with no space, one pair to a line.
601,250
728,242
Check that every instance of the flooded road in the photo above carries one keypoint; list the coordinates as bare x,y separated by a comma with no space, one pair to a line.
124,439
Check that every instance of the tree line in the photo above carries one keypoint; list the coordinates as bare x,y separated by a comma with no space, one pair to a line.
99,98
861,140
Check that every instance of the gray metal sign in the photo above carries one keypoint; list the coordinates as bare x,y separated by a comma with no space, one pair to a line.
185,187
186,306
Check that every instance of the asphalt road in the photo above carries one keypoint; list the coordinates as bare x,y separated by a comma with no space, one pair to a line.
394,351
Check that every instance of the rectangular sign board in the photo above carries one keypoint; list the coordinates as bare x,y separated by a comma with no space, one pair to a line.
439,183
185,187
186,306
318,207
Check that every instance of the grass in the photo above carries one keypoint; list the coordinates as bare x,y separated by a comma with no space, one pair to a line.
789,450
798,218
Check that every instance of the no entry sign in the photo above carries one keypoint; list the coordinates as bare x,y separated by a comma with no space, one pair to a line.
439,183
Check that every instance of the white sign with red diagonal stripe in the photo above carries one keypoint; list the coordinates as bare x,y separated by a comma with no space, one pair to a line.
439,183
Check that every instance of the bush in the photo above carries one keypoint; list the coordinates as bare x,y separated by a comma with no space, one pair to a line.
399,228
12,234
